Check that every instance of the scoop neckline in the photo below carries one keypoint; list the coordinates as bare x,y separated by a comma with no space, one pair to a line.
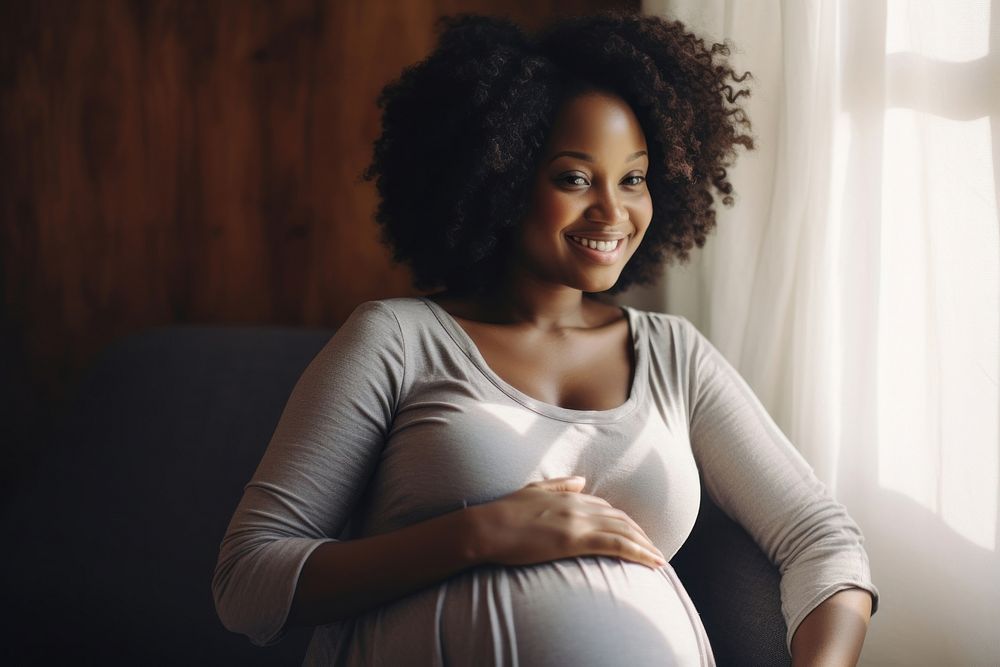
464,341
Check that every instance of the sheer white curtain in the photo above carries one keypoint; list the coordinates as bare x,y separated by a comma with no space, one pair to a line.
855,286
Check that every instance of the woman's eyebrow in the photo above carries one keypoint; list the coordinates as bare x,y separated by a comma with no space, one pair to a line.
590,158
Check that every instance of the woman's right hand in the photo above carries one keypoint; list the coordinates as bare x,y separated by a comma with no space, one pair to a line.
551,519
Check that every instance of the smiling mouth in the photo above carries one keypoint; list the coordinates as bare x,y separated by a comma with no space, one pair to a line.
599,252
599,246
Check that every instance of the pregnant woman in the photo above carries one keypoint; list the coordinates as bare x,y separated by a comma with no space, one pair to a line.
500,472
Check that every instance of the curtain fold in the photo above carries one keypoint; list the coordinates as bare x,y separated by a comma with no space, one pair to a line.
855,285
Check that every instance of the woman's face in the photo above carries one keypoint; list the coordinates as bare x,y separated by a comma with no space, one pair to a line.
590,190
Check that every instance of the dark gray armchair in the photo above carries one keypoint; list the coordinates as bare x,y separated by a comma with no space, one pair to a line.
112,538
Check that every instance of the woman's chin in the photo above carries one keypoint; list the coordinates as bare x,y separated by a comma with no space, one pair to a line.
593,286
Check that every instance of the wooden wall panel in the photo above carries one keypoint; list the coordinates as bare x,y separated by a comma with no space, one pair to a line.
193,162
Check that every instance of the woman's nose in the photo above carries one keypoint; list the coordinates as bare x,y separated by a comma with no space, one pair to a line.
608,207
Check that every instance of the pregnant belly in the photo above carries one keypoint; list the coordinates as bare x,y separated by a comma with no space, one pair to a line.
592,610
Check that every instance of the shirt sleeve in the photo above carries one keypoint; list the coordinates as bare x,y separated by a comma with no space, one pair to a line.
755,475
315,468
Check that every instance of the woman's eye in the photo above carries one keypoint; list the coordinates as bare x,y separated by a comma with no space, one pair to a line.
574,179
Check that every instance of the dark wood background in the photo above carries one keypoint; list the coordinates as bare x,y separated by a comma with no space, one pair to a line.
191,162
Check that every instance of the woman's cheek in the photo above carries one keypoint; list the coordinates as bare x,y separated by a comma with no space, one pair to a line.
644,212
557,211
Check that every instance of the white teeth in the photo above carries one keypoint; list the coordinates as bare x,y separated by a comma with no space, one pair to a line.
603,246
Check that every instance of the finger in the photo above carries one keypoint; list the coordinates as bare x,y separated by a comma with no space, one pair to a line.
623,514
616,544
615,513
574,484
624,525
594,500
611,511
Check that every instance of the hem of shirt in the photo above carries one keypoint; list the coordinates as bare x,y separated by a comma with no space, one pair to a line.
304,556
820,598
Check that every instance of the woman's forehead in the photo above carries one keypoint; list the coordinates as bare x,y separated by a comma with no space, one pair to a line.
596,122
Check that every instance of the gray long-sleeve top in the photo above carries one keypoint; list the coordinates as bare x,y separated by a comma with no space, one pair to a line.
399,419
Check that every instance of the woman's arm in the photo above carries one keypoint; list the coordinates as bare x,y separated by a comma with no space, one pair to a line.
757,477
313,474
344,579
832,633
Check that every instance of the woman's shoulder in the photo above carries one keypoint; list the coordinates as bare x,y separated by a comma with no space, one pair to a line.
380,321
398,307
661,323
671,332
397,317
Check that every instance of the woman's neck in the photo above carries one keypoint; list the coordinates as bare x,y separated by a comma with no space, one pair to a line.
545,308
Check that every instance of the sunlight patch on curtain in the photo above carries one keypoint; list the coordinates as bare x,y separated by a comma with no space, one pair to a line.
949,31
939,308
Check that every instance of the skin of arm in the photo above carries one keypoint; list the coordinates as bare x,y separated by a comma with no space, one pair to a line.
344,579
833,632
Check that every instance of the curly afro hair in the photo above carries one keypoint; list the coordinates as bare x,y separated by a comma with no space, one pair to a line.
463,131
